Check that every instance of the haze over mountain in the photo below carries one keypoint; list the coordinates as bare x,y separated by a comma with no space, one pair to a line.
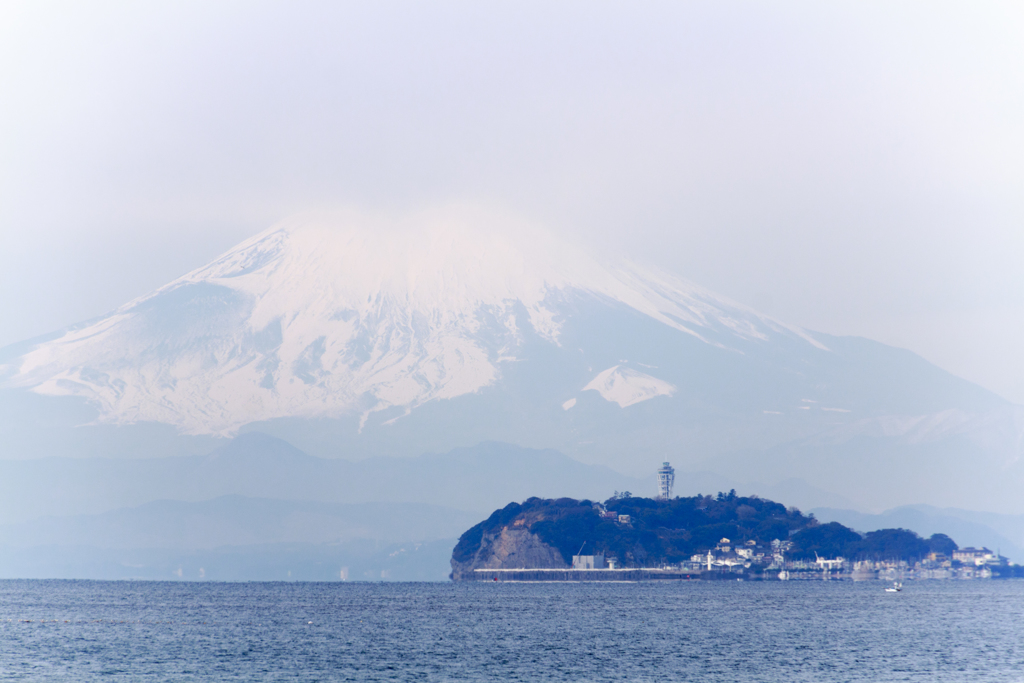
355,335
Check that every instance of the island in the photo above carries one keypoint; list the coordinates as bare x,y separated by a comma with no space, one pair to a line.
726,536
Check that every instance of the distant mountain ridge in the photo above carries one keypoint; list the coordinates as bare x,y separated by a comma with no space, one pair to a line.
239,521
258,508
1004,533
259,466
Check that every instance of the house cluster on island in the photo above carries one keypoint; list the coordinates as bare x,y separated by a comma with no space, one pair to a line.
753,558
965,563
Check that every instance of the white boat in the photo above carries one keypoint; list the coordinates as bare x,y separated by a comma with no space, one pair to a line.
896,587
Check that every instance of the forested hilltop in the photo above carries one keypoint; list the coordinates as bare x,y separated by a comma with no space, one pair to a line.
644,532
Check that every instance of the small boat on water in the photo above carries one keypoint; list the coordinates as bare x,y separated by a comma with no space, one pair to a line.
896,587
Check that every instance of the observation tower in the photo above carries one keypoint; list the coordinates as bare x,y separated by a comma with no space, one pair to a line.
666,478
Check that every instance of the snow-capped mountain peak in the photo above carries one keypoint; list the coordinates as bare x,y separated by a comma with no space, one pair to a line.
322,316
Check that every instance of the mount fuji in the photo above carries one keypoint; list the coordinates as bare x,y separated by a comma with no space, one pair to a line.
355,335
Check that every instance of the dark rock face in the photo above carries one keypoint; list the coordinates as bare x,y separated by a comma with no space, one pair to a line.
508,548
508,538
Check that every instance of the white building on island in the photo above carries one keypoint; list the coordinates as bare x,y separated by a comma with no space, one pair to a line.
588,561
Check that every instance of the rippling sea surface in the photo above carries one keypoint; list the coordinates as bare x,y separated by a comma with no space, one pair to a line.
707,631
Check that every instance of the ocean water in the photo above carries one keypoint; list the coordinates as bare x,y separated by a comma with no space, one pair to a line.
691,631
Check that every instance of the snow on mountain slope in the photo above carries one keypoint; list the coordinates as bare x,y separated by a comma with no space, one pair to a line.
626,386
353,313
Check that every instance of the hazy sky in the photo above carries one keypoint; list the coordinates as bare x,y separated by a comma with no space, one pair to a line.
852,168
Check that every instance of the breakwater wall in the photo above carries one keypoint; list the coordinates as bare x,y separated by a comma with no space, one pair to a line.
582,575
636,574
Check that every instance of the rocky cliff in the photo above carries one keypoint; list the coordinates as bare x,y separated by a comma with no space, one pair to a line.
515,537
508,548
